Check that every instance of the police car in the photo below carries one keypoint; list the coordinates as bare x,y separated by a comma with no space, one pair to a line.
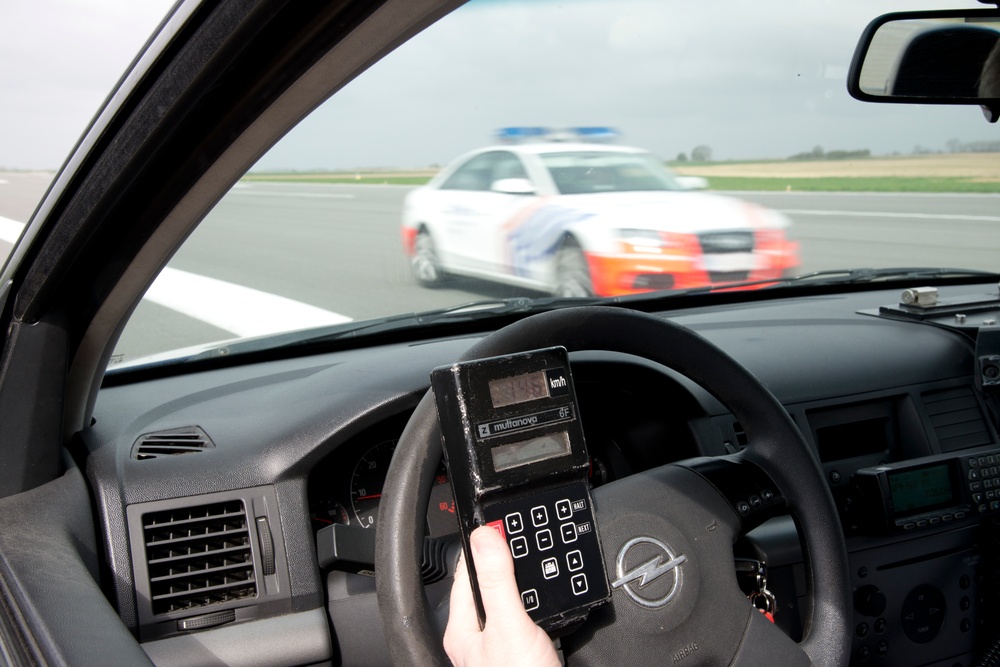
581,218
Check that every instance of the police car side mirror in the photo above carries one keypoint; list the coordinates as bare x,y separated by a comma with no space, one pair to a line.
692,182
513,186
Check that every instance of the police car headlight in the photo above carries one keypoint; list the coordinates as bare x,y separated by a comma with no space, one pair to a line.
643,240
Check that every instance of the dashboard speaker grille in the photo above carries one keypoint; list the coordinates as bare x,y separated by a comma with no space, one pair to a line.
198,556
186,440
957,419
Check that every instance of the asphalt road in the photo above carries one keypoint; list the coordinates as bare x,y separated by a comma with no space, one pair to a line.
337,248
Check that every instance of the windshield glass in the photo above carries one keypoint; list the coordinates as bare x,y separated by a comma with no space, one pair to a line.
529,150
581,173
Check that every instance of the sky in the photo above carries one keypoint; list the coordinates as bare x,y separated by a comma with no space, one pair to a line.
751,80
59,59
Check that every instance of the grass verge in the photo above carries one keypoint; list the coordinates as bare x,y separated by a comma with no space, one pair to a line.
853,184
337,178
749,183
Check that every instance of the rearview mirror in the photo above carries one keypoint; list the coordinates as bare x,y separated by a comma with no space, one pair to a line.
946,57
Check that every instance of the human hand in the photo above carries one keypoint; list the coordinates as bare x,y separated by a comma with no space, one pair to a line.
510,638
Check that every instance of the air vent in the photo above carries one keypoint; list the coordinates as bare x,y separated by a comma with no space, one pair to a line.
957,420
198,557
187,440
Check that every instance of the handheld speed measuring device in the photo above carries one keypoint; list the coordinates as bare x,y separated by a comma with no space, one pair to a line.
518,462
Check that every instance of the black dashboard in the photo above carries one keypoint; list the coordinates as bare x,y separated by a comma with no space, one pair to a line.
276,453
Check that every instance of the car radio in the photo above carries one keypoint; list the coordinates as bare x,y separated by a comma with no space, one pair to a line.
517,461
930,491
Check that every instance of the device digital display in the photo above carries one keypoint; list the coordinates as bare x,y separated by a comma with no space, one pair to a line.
518,389
923,488
521,453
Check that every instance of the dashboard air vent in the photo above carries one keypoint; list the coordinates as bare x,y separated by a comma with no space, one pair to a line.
198,556
186,440
957,419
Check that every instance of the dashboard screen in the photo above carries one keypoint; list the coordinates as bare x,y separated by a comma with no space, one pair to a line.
922,488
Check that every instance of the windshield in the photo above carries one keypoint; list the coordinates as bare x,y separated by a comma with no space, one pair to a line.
581,173
461,169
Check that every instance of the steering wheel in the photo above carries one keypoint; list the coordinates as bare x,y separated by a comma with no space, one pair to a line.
693,508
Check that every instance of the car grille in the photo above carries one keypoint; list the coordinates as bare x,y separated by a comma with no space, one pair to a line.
715,243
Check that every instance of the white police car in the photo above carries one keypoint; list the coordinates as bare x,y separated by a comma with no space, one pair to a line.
579,219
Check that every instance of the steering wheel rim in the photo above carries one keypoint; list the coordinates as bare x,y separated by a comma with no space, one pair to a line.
410,632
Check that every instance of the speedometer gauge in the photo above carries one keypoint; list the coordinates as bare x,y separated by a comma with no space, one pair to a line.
367,480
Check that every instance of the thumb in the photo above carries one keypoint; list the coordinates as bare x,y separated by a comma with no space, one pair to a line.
495,571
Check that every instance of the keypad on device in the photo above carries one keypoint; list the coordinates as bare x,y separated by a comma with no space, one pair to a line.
557,558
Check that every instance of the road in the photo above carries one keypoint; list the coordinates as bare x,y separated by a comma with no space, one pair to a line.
312,248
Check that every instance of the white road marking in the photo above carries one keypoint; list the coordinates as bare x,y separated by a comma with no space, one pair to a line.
317,195
10,230
816,193
243,311
880,214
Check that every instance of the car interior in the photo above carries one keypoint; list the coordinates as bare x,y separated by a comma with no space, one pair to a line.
825,447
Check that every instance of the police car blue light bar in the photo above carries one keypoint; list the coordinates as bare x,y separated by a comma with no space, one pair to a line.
594,133
521,135
515,135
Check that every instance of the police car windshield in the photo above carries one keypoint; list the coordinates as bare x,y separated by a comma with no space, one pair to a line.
578,172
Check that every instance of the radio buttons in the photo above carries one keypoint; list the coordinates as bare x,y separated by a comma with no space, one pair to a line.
579,582
564,510
514,523
923,613
550,568
530,599
574,561
568,531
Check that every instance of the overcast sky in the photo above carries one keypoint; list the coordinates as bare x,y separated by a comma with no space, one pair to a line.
746,87
59,59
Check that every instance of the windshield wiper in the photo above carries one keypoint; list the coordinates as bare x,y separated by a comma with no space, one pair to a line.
833,277
473,310
491,308
849,276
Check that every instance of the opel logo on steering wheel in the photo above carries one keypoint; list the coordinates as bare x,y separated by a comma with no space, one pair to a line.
663,563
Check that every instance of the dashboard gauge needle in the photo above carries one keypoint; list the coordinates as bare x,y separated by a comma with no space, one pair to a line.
369,496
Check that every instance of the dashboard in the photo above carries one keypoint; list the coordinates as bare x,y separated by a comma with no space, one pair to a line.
301,446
